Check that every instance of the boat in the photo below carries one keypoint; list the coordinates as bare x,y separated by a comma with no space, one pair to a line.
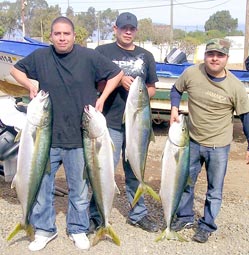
10,53
167,75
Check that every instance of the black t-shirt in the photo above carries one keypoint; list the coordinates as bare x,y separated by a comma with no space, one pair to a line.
71,81
137,62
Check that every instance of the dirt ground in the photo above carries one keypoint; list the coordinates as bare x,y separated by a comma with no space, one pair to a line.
232,236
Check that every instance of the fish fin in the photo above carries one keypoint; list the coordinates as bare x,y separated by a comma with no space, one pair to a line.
152,136
17,228
138,194
28,228
13,183
150,191
113,235
180,237
85,173
112,144
30,232
18,136
170,235
189,181
99,235
117,189
126,158
48,167
144,188
161,236
103,231
123,121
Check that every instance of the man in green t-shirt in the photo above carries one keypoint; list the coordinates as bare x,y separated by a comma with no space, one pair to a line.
214,93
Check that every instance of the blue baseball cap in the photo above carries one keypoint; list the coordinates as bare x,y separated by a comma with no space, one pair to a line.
126,18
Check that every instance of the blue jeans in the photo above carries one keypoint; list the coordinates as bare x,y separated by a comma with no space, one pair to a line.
131,182
215,160
43,214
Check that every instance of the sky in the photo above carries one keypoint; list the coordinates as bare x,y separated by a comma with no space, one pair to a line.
186,13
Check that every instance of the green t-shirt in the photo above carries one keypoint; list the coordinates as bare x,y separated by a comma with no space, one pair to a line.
211,105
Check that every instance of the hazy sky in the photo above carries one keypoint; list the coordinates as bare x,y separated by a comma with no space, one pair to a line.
185,12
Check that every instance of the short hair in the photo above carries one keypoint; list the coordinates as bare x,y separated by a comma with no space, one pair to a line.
62,19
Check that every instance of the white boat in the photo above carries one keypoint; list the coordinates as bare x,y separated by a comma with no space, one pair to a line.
10,53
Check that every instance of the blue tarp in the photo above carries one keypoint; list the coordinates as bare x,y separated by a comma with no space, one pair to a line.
20,48
175,70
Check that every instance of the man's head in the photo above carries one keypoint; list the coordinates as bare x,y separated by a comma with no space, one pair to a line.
220,45
216,57
125,30
126,18
62,34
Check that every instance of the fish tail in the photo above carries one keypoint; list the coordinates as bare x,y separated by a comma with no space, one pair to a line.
30,232
103,231
99,235
171,235
161,236
179,237
28,228
13,183
113,235
150,191
144,188
17,228
140,191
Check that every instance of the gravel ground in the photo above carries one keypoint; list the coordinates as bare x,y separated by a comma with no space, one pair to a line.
232,236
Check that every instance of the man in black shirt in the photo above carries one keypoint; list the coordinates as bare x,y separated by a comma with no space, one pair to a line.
134,61
69,73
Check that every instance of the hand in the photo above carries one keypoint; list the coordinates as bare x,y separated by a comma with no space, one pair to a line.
99,105
33,90
174,115
126,82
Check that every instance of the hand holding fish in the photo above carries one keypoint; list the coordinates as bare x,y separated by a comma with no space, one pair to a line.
99,104
174,116
126,82
33,90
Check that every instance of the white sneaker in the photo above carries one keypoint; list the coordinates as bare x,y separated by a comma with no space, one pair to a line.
40,242
80,240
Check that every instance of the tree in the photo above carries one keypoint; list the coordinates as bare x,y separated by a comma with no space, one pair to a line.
215,34
70,13
81,35
199,36
87,20
189,44
221,21
9,18
145,30
178,34
106,21
38,17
